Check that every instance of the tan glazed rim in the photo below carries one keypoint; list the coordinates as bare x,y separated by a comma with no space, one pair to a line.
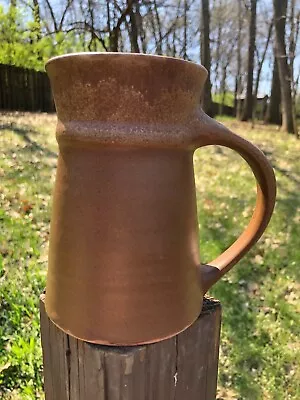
97,54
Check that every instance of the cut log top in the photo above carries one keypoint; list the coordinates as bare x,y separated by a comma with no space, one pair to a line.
183,367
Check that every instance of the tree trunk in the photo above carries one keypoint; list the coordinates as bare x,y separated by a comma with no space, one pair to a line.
133,32
294,31
248,106
174,51
115,32
273,115
108,18
37,19
12,22
223,89
219,43
260,63
139,21
205,57
292,39
92,44
185,31
280,8
160,38
238,80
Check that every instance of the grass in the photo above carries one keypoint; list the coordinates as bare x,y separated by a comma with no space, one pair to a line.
260,347
228,99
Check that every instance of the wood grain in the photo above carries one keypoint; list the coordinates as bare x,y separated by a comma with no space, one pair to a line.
181,368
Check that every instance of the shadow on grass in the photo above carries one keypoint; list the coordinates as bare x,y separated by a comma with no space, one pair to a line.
23,132
283,171
241,304
240,326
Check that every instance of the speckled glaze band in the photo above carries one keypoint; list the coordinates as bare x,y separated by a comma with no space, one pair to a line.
124,265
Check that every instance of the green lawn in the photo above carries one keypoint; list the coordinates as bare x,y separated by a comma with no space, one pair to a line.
229,98
260,344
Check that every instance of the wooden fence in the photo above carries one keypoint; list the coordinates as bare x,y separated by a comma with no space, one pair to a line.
24,90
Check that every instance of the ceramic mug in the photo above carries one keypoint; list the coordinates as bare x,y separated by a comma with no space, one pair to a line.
124,265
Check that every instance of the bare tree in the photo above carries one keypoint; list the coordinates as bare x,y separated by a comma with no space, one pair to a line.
293,37
159,40
238,79
116,30
173,49
205,56
260,62
92,43
37,19
225,64
273,114
140,27
219,17
288,120
184,50
133,31
248,105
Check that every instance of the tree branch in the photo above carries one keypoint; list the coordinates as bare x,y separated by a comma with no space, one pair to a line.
52,16
64,13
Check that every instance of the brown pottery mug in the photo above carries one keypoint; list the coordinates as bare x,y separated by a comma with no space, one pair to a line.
124,264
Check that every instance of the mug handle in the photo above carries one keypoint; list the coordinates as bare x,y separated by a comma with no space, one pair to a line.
206,132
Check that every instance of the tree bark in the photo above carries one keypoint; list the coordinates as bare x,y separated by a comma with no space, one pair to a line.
140,26
37,19
294,31
108,17
92,44
133,32
273,115
223,89
248,106
206,57
280,8
185,31
115,32
292,39
238,80
160,38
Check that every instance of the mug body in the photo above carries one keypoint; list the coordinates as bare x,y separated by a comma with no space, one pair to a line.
124,234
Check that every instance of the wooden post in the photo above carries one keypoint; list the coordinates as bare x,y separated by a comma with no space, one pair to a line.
181,368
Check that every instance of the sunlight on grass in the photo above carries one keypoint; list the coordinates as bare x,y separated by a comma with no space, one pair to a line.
260,348
228,98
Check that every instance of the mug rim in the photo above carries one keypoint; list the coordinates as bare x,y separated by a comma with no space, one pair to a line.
123,54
